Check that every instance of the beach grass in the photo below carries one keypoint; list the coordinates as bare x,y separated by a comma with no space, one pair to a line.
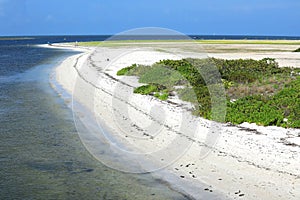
275,42
89,44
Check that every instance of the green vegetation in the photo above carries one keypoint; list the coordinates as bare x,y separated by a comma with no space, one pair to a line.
146,89
159,91
257,91
277,42
270,110
125,70
88,44
297,50
163,96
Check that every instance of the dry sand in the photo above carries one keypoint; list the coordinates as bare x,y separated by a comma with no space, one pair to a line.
243,162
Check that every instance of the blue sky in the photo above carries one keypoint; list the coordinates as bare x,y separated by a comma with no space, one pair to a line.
230,17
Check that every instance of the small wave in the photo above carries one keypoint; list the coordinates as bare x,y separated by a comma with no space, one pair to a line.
10,79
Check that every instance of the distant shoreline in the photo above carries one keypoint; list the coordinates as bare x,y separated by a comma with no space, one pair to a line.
194,37
16,38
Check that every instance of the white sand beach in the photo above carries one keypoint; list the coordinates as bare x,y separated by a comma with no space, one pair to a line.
234,162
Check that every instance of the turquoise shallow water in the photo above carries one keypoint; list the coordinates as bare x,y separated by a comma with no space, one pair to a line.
41,155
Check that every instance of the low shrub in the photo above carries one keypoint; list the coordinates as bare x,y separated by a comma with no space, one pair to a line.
146,89
297,50
265,94
124,71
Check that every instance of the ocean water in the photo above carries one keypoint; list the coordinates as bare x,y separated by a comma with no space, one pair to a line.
41,156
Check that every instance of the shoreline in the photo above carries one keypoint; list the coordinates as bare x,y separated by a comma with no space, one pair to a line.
241,150
168,178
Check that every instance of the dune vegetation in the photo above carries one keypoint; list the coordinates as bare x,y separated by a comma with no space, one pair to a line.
297,50
257,91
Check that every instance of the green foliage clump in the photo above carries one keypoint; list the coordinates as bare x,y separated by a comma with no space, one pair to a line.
162,96
160,75
149,89
288,101
146,89
297,50
253,109
227,84
246,70
187,94
186,69
268,110
124,71
138,70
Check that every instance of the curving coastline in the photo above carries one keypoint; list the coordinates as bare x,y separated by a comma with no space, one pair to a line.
270,154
